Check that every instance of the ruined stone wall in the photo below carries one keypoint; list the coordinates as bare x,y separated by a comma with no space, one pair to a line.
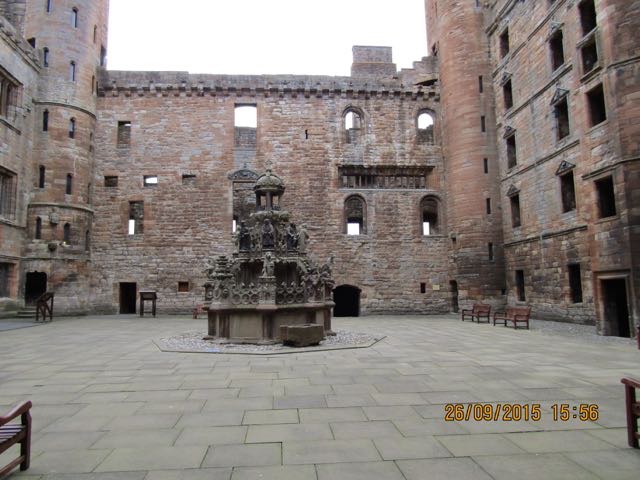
19,68
183,124
549,238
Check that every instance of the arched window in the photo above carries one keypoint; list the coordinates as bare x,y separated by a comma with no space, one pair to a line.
353,124
45,56
69,188
45,121
74,17
355,215
41,176
72,71
38,232
66,232
72,128
425,128
429,216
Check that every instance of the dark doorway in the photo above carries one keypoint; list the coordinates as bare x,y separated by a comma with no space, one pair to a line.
347,300
454,296
127,297
35,285
616,307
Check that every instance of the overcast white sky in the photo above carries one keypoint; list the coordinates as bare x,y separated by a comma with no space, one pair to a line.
261,36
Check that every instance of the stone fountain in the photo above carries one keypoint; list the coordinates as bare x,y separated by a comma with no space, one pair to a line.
269,281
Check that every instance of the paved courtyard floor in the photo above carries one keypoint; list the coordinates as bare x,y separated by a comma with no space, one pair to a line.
108,405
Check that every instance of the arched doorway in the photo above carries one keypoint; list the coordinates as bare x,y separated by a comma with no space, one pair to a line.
35,285
347,300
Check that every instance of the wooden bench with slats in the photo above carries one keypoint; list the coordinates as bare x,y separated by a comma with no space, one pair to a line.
12,433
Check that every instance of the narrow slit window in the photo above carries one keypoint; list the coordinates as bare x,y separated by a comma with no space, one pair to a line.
485,165
48,5
488,203
490,250
423,287
568,192
72,71
69,184
483,123
512,157
66,234
41,176
72,128
504,43
480,84
514,200
520,285
38,231
507,95
45,56
74,17
45,121
95,33
575,282
561,113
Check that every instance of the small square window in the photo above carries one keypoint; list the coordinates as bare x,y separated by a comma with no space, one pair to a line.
183,287
150,180
111,181
188,179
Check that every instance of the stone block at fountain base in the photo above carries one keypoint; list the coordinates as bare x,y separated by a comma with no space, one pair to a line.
301,335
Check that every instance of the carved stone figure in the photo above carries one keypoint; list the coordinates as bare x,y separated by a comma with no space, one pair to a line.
268,235
303,238
292,237
245,238
268,266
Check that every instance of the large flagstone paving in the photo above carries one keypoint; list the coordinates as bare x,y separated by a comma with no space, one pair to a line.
108,405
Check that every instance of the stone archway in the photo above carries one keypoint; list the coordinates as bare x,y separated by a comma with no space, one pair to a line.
35,285
347,300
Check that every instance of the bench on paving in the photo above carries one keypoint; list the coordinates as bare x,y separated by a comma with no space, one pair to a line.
633,410
199,310
13,433
479,310
514,315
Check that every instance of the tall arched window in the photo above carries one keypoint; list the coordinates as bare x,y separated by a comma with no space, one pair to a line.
353,124
355,215
45,56
74,17
69,188
45,121
72,71
72,128
429,216
38,232
425,128
66,232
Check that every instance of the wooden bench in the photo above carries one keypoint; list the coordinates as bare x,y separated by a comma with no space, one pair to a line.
479,310
199,310
44,307
514,315
633,410
12,433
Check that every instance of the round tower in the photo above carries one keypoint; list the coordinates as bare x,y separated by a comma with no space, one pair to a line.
71,39
456,36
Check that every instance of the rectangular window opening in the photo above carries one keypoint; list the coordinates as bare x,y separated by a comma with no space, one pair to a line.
6,272
353,228
515,211
8,185
423,288
575,283
485,163
124,134
568,192
606,197
488,200
589,55
188,179
561,112
597,110
490,250
183,287
111,181
512,159
587,11
504,43
483,123
507,93
150,180
520,285
557,50
480,84
136,217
